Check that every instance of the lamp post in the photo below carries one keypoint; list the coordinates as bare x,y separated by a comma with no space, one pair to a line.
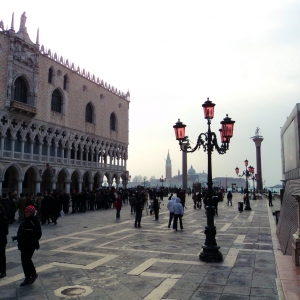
247,173
254,178
144,180
210,250
162,180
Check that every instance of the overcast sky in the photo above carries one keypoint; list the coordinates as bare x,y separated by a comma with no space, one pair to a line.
172,55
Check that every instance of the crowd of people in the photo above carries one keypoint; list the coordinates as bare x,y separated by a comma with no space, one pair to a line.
47,207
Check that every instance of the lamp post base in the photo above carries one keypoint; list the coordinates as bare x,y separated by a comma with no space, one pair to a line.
247,207
211,254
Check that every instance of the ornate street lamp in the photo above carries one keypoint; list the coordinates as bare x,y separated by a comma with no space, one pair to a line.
254,178
208,141
162,180
247,173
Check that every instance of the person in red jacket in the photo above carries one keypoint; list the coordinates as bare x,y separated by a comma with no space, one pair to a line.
118,206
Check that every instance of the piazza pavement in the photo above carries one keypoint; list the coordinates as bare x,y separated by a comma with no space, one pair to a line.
94,256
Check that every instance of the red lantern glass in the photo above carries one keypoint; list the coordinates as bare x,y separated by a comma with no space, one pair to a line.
224,139
208,109
179,129
227,127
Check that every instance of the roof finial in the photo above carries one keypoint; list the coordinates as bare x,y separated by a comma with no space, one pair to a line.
38,36
23,22
12,21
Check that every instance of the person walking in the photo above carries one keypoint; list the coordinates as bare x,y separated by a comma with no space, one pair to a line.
270,198
118,205
155,207
215,201
195,200
138,212
28,236
132,202
3,241
170,207
178,213
229,198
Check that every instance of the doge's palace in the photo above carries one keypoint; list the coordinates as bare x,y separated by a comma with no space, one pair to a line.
61,127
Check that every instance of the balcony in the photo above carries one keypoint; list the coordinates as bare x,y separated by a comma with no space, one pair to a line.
23,108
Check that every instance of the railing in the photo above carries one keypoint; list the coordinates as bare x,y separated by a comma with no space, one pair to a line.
6,154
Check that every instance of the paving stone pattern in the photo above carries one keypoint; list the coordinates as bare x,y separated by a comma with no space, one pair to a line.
118,261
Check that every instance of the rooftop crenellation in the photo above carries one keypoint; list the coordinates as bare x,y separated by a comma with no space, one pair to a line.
65,62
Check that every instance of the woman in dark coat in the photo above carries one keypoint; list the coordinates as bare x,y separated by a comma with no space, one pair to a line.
155,207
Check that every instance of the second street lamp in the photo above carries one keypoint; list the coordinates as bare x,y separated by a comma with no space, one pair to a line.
247,173
208,140
162,180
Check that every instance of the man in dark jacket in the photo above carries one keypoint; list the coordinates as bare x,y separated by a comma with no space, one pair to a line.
28,237
3,241
215,201
138,212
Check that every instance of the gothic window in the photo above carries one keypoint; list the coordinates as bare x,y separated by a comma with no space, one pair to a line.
89,113
113,121
56,101
20,93
66,82
50,75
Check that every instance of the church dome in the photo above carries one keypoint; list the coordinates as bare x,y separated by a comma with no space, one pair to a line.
191,171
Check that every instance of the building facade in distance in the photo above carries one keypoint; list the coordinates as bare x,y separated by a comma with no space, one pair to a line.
61,127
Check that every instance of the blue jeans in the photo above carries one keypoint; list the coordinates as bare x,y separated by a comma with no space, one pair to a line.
118,214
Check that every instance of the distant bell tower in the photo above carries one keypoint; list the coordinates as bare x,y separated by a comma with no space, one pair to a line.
168,167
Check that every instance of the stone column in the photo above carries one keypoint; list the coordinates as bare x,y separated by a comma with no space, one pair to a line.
53,183
37,186
79,186
90,186
296,236
20,182
48,150
40,150
257,140
12,153
81,155
55,151
31,150
67,188
22,149
2,148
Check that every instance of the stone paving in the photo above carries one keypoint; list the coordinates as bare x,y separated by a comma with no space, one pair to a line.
94,256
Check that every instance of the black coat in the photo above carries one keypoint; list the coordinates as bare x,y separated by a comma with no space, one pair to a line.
3,229
29,233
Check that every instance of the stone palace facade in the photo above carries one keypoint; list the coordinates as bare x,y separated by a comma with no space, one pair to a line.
61,127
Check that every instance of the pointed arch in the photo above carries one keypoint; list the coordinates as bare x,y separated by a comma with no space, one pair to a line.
66,82
113,121
90,113
57,101
21,90
51,74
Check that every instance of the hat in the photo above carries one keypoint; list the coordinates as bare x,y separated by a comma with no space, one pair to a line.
30,208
